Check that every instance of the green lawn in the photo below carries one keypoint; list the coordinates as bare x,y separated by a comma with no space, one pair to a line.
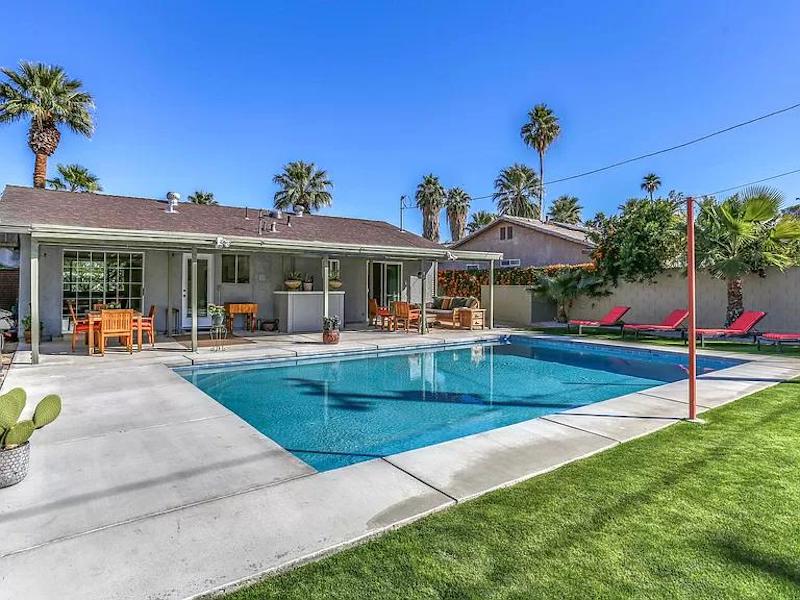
691,512
727,346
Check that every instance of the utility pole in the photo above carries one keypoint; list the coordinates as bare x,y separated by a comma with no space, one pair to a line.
403,207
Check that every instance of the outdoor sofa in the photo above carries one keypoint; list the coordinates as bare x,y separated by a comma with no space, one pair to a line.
445,309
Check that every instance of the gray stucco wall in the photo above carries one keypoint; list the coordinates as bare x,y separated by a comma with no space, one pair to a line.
164,286
778,294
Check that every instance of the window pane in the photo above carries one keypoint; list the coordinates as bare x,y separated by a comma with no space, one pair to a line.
243,268
228,268
509,232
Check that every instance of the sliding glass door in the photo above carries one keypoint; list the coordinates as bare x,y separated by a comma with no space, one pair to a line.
387,282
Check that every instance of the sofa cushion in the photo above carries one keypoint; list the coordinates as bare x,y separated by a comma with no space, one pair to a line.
459,302
472,302
447,303
437,302
439,311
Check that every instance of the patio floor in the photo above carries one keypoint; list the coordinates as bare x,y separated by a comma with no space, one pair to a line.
147,488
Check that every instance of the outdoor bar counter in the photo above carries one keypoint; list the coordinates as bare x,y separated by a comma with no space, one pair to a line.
302,311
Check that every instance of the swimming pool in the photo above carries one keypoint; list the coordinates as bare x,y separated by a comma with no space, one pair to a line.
335,411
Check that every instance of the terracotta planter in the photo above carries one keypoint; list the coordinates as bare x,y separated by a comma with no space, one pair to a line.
334,284
27,336
292,284
330,336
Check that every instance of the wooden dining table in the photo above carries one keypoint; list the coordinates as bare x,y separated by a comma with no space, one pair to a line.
93,316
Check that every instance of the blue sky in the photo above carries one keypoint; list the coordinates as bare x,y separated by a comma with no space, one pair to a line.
200,95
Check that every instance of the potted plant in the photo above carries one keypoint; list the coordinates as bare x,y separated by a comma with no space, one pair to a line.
334,283
26,327
15,434
217,313
308,283
330,330
293,281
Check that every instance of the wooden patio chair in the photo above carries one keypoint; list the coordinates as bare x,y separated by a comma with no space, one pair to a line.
79,326
148,325
116,323
405,315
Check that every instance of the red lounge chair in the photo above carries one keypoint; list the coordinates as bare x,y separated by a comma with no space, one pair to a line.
612,319
741,327
779,339
671,322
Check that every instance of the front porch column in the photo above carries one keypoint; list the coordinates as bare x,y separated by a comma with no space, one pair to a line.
193,292
491,294
435,278
34,302
326,272
423,321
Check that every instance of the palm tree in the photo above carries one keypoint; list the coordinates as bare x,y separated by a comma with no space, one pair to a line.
302,184
745,233
75,178
457,204
516,188
539,132
479,220
201,197
430,197
564,287
566,209
650,183
46,95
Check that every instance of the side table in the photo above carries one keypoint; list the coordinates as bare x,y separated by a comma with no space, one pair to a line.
472,318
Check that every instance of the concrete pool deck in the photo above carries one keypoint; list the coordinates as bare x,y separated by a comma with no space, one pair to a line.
147,488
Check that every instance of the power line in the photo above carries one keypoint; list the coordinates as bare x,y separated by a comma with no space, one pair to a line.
670,149
736,187
677,146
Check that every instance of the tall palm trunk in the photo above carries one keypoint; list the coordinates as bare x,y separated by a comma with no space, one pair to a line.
541,186
458,223
430,225
735,300
43,140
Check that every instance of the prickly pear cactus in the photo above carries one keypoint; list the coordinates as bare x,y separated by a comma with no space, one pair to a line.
46,411
14,432
19,433
11,405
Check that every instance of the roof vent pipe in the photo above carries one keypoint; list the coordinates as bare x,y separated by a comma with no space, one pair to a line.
172,201
298,210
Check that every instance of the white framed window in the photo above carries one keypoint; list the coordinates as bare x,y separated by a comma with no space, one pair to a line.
334,266
502,233
235,268
509,233
510,262
92,277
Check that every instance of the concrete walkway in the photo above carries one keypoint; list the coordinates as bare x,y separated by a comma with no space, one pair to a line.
147,488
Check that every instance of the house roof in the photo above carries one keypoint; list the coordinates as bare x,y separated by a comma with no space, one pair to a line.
29,207
572,233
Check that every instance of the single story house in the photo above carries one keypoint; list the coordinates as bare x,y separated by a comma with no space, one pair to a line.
525,243
80,249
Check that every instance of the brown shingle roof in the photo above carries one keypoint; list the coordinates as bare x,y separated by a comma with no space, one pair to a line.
23,206
572,233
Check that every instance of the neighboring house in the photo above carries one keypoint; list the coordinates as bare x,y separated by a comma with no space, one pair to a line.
137,252
525,243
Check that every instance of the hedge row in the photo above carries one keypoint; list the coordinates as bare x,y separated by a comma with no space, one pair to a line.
468,283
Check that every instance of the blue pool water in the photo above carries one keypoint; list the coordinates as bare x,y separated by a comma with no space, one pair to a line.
341,410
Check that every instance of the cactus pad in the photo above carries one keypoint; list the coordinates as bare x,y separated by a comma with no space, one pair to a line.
11,405
46,411
19,434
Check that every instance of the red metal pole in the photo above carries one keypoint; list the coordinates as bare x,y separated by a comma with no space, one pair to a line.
690,269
